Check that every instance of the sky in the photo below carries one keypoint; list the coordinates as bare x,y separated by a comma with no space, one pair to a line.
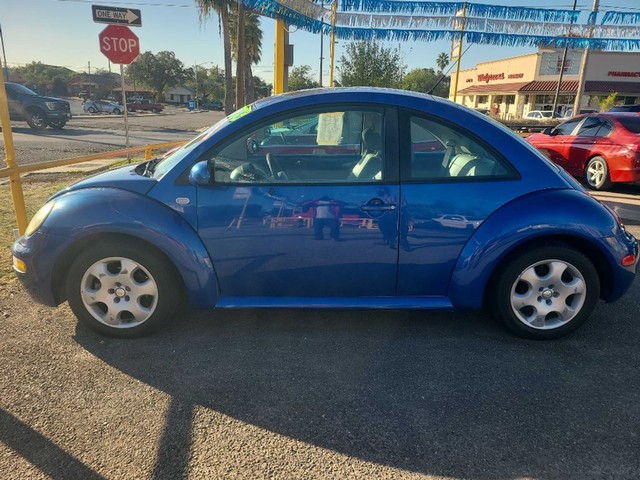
62,32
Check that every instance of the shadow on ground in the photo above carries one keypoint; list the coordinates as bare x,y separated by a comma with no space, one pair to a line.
441,394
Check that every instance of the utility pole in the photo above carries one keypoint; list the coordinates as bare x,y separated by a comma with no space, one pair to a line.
459,53
4,58
89,66
240,99
321,41
584,64
564,60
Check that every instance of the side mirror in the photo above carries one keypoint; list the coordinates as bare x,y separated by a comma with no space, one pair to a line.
548,131
200,175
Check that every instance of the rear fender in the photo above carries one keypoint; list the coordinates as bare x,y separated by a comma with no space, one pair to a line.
93,214
507,229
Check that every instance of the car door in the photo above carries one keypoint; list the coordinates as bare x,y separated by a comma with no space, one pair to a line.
446,193
581,145
291,220
556,145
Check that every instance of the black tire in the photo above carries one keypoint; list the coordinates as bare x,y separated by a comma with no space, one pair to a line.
154,110
58,124
139,295
92,110
596,174
37,119
546,292
116,111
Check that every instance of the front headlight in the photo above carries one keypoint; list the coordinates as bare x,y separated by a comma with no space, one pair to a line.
51,105
39,218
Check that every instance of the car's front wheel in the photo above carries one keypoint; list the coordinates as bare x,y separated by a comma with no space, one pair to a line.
37,119
546,292
122,290
116,111
596,174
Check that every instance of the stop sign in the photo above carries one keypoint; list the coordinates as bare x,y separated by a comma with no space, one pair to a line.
119,44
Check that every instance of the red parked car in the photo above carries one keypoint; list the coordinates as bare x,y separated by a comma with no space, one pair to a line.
602,148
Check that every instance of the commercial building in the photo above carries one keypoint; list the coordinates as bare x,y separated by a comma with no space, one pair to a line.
512,87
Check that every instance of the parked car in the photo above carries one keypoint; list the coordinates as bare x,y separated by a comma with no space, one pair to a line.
625,108
211,105
37,110
541,115
145,106
102,106
221,223
601,148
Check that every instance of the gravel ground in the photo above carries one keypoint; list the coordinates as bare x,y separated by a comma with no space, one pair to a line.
311,394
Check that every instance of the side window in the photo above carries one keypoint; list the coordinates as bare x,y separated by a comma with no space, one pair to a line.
605,129
590,127
340,146
567,128
441,152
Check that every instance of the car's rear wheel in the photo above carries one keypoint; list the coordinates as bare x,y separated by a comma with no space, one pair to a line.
37,119
546,292
596,174
122,290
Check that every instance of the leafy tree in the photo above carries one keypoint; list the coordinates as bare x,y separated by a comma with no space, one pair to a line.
300,78
252,49
426,80
263,89
45,78
607,102
367,63
442,61
222,7
157,71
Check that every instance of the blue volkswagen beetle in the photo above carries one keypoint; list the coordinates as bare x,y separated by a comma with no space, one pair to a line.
345,198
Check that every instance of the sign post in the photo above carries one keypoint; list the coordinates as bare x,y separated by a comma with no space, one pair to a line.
120,45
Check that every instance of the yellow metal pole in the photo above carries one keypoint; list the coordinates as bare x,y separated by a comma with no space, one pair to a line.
334,8
14,175
278,75
455,85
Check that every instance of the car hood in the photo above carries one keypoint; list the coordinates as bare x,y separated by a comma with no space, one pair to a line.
125,178
52,99
536,137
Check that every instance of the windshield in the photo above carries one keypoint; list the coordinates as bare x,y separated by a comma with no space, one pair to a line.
16,87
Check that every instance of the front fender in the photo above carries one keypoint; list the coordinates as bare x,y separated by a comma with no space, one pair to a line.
574,215
92,212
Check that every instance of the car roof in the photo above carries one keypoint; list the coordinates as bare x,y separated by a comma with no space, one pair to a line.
359,94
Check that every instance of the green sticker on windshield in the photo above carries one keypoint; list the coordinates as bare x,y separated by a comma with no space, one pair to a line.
240,113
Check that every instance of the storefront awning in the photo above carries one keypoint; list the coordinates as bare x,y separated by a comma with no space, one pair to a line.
594,86
569,86
492,88
550,86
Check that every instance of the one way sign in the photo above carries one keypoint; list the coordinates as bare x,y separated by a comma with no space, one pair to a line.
116,16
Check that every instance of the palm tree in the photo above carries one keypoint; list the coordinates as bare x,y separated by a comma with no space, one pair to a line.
252,49
205,9
442,61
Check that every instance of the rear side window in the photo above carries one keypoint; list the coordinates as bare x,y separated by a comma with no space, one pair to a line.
440,151
590,127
